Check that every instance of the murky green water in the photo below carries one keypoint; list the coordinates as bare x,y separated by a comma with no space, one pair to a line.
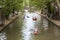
24,30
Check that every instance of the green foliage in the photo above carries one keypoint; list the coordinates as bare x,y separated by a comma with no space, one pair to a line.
10,5
2,2
19,4
39,3
8,8
50,8
59,0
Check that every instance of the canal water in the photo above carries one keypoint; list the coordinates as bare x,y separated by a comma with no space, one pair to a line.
25,28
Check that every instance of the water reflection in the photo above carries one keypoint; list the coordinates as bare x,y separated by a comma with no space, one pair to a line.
3,36
24,29
45,24
57,33
28,27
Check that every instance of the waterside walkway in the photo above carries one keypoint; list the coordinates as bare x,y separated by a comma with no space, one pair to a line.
7,22
56,22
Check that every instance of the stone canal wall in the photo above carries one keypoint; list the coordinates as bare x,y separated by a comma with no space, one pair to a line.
56,22
7,22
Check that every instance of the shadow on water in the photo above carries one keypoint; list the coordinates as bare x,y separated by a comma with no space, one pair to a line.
23,29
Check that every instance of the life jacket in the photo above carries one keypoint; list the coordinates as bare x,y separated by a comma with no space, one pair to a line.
35,31
34,18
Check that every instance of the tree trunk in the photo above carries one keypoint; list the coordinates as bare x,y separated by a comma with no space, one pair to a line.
2,19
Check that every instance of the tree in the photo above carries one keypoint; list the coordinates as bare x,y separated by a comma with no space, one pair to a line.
39,3
11,6
2,2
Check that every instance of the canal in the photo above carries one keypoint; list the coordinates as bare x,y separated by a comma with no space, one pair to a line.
24,28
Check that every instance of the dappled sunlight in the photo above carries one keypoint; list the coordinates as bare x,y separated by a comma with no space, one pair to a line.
28,26
3,36
29,20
